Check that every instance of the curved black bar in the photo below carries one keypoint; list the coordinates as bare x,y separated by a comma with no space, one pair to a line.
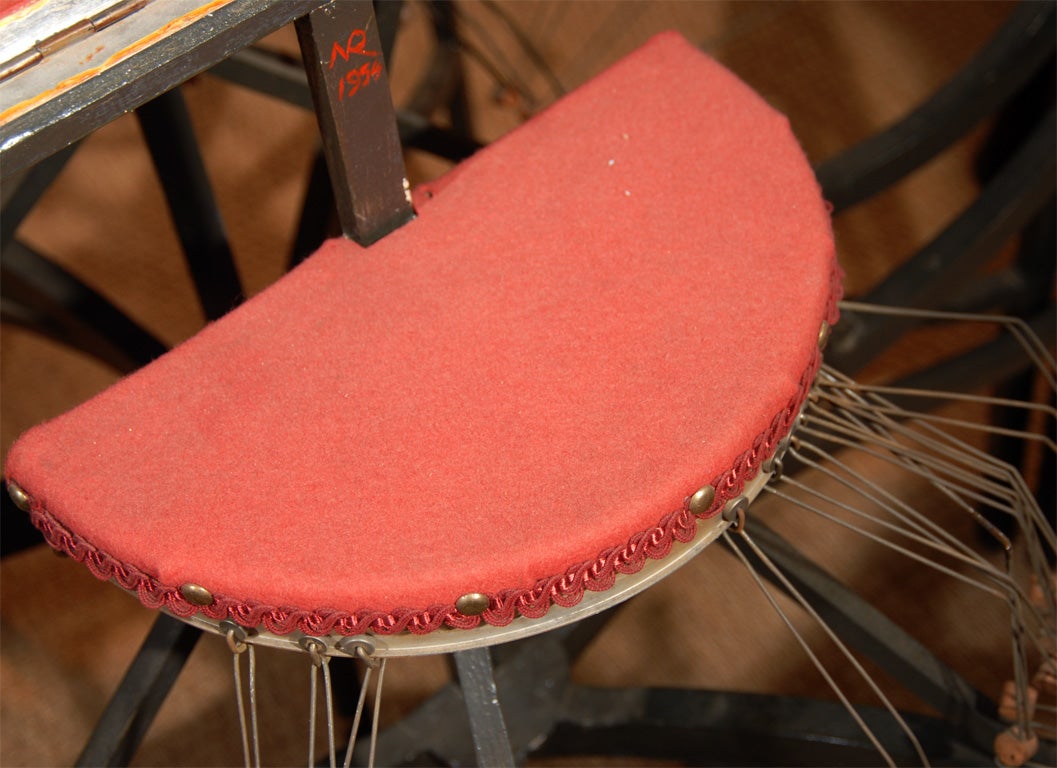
723,728
979,89
945,265
45,298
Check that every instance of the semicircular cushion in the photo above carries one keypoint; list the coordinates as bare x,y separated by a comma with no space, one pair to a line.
514,394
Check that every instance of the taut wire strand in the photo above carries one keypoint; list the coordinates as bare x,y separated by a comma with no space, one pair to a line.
810,653
377,709
237,649
328,697
253,705
312,685
1017,328
357,717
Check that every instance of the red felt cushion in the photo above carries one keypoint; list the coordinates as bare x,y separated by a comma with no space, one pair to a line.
514,394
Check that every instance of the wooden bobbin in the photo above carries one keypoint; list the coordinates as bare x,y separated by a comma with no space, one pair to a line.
1012,749
1007,702
1046,678
1035,593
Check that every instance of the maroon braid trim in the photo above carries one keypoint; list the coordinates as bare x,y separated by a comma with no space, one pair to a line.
566,589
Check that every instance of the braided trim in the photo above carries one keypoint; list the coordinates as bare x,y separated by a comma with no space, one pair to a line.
565,589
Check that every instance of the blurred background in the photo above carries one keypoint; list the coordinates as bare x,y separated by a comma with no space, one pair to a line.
839,70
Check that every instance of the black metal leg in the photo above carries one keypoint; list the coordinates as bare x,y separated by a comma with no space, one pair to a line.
317,220
530,681
477,681
167,129
142,691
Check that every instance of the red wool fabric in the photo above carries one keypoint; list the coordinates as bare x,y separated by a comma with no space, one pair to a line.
514,394
11,7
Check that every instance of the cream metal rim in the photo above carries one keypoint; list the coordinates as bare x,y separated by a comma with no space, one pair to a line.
451,640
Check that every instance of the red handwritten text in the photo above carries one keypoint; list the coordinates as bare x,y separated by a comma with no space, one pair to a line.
358,75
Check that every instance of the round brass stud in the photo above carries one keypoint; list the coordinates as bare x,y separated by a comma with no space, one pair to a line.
472,604
196,595
824,331
702,500
20,497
